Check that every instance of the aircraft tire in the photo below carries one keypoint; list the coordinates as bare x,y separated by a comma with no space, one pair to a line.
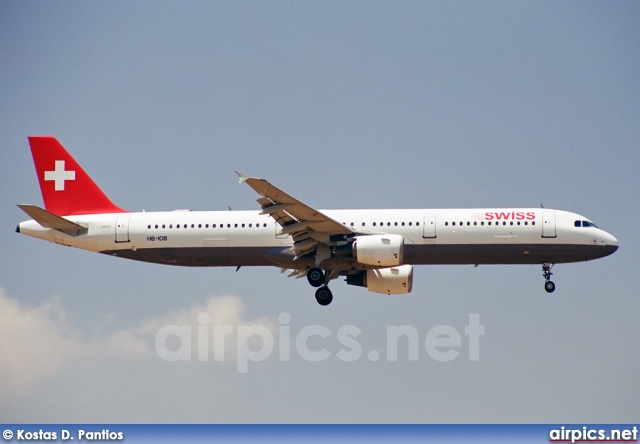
549,287
324,295
315,276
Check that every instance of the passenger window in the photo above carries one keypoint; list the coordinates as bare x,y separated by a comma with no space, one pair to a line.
170,225
403,224
395,224
250,225
162,225
453,223
526,222
417,224
475,223
489,223
363,224
511,223
468,223
446,224
265,225
533,222
213,225
156,226
193,226
177,225
482,223
242,225
410,223
199,225
149,227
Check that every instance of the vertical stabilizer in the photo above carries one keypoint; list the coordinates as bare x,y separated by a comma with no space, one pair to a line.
66,188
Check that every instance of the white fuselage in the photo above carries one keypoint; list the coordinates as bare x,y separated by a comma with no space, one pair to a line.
246,238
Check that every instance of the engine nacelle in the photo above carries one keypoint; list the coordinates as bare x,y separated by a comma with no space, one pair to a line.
392,280
379,250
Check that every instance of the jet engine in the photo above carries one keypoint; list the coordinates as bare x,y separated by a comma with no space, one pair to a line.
392,280
380,250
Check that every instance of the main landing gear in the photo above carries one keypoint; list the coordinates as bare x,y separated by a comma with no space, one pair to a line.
324,295
546,273
318,279
315,276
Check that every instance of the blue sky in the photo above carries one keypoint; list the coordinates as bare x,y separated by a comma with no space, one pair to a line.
344,105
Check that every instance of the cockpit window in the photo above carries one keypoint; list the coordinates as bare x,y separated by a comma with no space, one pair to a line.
584,223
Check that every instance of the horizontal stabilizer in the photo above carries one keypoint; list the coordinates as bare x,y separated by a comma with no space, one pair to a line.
50,220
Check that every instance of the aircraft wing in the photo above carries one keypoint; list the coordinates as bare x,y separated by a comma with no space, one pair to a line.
308,227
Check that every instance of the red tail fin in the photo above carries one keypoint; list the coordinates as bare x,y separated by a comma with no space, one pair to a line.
66,188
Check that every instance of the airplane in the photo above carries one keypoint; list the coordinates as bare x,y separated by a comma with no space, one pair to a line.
376,249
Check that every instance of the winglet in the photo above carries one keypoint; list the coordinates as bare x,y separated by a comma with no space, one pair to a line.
242,177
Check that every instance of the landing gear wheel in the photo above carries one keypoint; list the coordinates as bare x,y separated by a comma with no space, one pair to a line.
549,287
315,276
324,296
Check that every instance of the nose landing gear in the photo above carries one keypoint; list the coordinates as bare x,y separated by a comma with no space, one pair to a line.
546,273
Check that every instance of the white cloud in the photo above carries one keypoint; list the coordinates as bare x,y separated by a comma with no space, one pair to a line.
218,312
37,341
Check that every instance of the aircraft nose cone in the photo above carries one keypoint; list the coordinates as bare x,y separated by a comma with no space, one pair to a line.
611,243
18,228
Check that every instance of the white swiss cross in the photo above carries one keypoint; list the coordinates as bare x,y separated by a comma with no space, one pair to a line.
59,175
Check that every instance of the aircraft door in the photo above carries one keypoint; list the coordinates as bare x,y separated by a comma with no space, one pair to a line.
429,227
122,228
548,224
